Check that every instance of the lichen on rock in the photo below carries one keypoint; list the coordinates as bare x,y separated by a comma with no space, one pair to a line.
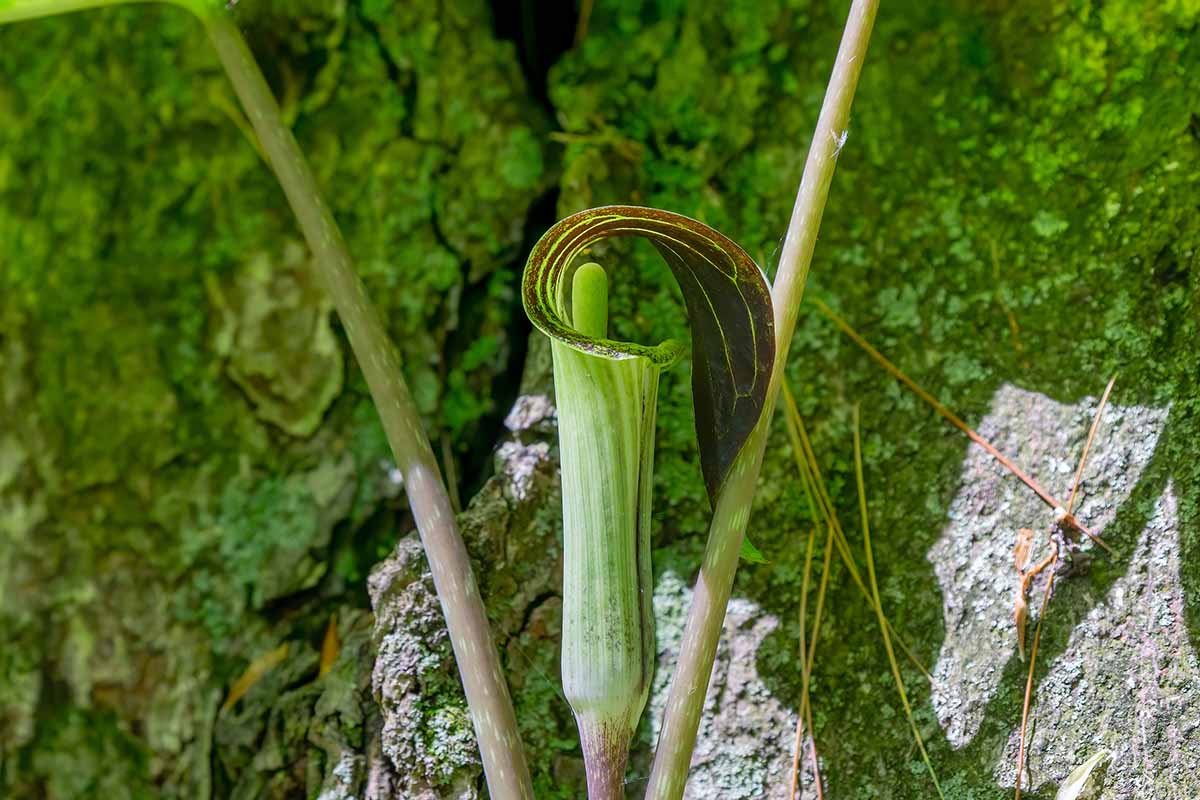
973,558
512,532
274,329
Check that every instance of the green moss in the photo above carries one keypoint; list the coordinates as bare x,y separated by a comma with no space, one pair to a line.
1002,212
186,420
274,332
1048,225
87,754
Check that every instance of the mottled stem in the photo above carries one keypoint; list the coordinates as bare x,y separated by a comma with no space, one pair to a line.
478,662
698,649
605,754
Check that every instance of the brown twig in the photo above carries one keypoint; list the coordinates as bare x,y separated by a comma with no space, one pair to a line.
1022,554
1088,445
953,419
1048,563
1037,635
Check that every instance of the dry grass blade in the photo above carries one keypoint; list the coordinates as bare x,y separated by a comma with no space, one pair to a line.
883,623
1037,636
804,675
331,647
808,556
809,463
808,646
949,416
1087,447
254,673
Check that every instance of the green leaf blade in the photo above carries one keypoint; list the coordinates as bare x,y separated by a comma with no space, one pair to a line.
751,554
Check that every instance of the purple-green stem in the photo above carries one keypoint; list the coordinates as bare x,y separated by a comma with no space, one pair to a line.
681,719
466,619
478,661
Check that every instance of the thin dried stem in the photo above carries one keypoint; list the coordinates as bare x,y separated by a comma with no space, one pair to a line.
808,651
821,591
878,603
810,659
1037,635
1048,563
804,586
826,505
806,675
1088,445
953,419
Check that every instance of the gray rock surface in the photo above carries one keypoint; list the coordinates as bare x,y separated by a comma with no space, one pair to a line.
1127,680
426,735
973,558
745,742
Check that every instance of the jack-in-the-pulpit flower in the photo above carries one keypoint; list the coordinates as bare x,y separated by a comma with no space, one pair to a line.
607,394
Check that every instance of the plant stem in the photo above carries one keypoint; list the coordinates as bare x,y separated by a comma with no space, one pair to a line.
1037,637
685,701
478,661
18,10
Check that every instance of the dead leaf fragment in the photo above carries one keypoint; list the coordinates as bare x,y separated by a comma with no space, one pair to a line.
331,647
1079,779
254,673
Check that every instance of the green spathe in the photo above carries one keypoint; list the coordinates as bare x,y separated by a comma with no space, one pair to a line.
728,308
607,394
606,412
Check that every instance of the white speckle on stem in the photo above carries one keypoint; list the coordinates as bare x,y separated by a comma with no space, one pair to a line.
394,475
839,141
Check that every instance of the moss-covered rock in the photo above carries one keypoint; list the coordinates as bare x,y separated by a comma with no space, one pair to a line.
1014,204
513,532
191,471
